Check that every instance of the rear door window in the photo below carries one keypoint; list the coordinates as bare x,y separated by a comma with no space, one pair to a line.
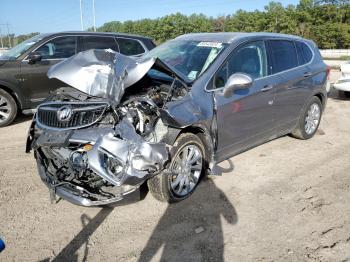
130,47
304,53
58,48
100,42
283,55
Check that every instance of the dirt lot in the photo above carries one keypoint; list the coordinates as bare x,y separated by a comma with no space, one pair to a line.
287,200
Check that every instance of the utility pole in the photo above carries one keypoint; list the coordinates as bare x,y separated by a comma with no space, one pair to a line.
81,17
93,13
2,44
8,34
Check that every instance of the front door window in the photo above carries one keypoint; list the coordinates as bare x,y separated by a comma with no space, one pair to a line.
58,48
249,59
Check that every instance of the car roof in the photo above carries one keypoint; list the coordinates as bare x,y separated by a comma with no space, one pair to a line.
228,37
98,34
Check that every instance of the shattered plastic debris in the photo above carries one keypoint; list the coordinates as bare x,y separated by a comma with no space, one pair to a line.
199,230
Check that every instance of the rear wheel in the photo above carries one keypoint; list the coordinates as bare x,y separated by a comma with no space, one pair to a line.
184,170
309,120
8,108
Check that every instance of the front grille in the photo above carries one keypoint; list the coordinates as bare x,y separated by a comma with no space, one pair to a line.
76,115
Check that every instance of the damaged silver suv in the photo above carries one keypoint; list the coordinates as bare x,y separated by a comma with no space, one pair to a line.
170,116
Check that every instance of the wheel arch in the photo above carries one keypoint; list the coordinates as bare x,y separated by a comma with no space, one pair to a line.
322,98
204,135
13,93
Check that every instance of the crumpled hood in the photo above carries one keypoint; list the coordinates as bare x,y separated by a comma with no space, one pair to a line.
105,73
101,73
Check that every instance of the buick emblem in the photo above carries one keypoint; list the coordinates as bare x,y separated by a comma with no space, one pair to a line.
64,113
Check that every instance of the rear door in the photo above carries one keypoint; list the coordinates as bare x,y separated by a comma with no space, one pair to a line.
293,81
245,118
36,85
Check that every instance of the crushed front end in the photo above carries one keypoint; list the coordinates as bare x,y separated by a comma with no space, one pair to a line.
92,159
94,150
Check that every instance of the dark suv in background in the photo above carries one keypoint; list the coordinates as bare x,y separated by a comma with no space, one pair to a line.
23,69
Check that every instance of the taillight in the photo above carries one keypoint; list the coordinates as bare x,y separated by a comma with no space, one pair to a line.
328,70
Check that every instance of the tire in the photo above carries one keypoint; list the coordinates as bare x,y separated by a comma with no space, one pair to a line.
343,94
308,123
166,187
8,108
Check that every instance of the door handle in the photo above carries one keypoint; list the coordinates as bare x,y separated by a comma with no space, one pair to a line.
307,74
266,88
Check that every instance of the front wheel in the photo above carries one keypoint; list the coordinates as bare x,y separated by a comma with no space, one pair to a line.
8,108
184,170
309,120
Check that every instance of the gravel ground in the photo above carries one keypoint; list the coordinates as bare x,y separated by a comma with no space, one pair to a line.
286,200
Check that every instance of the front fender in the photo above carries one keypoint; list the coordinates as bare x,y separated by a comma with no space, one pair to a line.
13,90
192,109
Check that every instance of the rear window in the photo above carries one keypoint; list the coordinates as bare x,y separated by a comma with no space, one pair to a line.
130,47
100,42
304,53
283,55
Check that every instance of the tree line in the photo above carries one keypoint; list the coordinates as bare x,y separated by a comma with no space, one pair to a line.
11,40
327,22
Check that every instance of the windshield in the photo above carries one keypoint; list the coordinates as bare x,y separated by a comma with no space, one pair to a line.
21,48
190,58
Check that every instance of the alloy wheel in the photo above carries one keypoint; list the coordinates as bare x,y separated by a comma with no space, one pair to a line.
312,118
5,109
186,169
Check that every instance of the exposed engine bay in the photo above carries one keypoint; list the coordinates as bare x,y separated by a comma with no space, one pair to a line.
93,148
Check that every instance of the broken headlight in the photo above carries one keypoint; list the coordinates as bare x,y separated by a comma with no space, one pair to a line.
113,167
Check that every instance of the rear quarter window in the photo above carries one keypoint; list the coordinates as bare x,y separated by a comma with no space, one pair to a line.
304,53
283,55
130,46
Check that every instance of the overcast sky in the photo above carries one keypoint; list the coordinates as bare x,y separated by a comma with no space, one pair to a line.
25,16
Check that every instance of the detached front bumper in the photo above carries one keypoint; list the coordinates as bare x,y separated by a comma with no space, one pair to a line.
118,157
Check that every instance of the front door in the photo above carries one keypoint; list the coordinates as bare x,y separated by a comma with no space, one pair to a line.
35,83
245,118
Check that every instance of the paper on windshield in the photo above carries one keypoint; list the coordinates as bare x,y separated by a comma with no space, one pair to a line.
210,44
192,75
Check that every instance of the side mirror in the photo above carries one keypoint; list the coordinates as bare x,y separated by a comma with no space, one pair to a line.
34,57
237,81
